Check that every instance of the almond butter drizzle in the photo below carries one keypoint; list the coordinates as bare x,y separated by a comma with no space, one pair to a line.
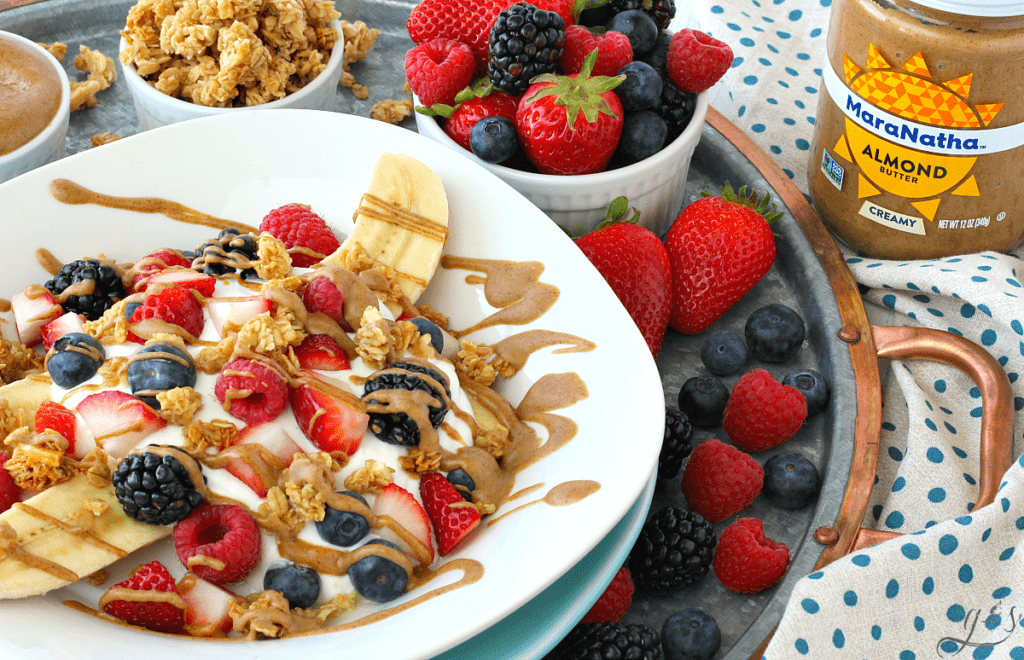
564,494
69,192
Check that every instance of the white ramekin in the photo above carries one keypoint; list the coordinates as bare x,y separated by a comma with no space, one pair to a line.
50,144
155,108
655,186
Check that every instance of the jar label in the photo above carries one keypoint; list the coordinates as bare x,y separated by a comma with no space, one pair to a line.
911,135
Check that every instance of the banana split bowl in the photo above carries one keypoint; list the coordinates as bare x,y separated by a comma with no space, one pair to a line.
193,466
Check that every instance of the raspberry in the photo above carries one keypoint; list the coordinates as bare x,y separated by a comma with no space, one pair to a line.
10,492
696,61
251,390
720,480
51,415
172,305
615,600
762,412
161,616
303,232
322,295
439,69
746,561
221,532
614,51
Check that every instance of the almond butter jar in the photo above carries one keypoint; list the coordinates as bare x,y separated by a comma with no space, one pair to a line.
918,147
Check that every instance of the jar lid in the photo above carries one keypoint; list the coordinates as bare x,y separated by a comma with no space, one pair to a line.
993,8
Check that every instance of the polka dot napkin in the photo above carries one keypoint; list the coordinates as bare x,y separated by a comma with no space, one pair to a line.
953,584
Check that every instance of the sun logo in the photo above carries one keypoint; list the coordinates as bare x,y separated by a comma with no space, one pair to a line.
911,93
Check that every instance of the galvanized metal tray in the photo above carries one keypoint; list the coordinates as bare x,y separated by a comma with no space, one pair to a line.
797,279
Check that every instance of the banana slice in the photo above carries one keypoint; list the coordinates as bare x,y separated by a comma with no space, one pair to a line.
401,222
65,533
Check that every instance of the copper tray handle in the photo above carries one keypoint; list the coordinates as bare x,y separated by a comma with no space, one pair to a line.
996,431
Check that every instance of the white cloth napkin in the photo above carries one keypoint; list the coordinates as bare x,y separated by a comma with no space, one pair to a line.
954,584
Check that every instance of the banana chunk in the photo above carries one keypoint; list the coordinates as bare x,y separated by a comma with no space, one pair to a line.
401,222
65,533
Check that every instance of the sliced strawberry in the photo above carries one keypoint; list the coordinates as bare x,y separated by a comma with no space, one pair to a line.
155,262
118,420
399,504
60,326
329,423
230,314
33,308
321,352
51,415
162,615
186,278
275,440
207,606
452,517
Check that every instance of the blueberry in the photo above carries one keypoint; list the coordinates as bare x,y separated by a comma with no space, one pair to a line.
494,139
690,634
658,56
378,578
74,359
723,353
703,400
167,368
790,480
459,477
343,528
774,333
639,27
812,385
643,135
426,327
130,308
641,90
300,585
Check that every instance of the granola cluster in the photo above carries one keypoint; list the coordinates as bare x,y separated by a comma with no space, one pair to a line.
229,53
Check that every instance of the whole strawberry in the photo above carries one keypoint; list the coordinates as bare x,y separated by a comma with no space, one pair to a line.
439,69
474,104
720,480
719,248
746,561
614,50
165,614
696,61
762,412
634,262
570,124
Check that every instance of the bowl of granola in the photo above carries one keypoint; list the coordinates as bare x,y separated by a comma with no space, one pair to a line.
34,106
181,62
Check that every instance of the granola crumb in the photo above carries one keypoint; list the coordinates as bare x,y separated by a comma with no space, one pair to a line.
472,361
432,315
372,478
179,405
418,462
37,461
18,361
201,436
112,327
57,49
391,111
373,339
102,74
274,260
106,137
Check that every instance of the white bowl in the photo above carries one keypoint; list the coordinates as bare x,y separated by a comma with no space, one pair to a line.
49,144
655,186
155,109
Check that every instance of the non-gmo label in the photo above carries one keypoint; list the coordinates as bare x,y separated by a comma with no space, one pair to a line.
832,170
893,219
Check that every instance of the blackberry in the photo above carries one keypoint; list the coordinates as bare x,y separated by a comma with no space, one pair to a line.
107,287
156,488
676,108
677,444
609,640
525,42
231,251
397,427
674,550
